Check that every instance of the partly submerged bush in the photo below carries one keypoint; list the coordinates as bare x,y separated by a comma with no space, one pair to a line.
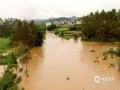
7,81
18,80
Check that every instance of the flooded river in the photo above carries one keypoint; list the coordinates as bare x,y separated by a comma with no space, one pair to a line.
69,65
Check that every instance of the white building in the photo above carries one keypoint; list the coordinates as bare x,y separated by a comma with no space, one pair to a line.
77,22
48,23
1,22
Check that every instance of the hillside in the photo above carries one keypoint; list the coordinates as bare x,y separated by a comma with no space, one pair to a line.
38,21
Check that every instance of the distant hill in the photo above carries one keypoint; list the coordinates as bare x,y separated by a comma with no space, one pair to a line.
74,18
38,21
59,19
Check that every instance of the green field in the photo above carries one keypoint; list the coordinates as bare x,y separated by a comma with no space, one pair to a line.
67,36
61,32
63,29
4,44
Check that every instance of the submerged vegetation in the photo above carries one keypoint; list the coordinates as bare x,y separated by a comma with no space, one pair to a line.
61,32
7,81
113,52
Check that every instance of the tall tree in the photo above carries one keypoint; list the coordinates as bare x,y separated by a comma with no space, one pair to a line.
101,26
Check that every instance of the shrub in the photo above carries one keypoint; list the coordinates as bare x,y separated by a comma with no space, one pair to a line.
73,28
7,81
105,57
18,80
118,62
26,49
10,66
22,89
56,32
58,26
51,27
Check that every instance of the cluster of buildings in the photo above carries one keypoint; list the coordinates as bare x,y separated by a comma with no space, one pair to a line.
65,22
1,22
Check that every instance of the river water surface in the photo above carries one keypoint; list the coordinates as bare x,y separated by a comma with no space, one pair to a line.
69,65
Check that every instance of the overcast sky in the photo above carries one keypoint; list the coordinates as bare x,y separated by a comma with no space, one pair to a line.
44,9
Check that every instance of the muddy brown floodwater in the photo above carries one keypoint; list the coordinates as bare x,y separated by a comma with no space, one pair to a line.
69,65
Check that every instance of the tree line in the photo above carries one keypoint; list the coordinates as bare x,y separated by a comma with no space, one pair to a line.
26,33
101,26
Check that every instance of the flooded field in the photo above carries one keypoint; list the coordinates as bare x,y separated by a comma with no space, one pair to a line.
69,65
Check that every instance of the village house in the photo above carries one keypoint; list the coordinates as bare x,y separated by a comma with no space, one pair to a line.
48,23
79,22
65,23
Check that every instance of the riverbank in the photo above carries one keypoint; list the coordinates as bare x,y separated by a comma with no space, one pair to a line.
9,77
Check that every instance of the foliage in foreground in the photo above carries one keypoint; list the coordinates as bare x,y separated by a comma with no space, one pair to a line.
7,81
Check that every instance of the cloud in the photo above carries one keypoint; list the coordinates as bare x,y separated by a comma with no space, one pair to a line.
41,9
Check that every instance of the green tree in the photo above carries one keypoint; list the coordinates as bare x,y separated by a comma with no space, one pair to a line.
51,27
101,26
14,58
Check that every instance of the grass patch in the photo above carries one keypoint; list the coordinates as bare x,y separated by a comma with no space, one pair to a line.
12,57
67,36
4,44
62,29
7,59
61,33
